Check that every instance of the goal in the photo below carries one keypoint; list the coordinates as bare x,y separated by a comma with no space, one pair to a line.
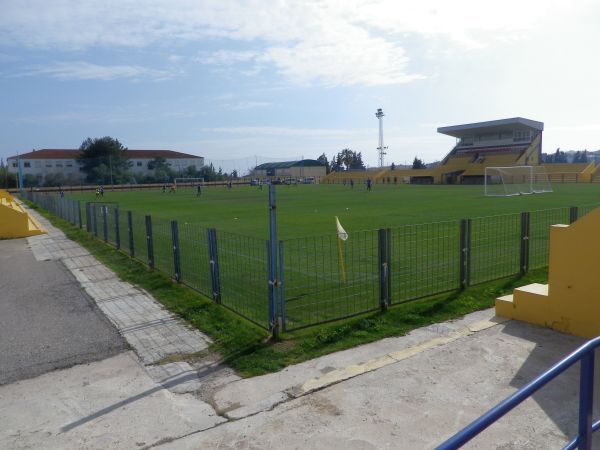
188,182
516,180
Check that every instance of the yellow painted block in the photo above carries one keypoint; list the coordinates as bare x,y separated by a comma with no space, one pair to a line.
570,302
14,221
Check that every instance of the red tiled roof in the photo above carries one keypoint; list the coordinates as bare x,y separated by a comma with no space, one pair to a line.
51,153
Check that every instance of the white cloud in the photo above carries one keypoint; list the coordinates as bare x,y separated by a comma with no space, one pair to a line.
80,70
328,42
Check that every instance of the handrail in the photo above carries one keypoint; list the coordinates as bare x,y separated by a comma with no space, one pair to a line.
583,440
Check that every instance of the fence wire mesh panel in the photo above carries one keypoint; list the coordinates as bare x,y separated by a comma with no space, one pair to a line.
244,277
495,247
139,237
585,209
110,224
124,230
195,263
326,279
163,246
425,260
539,237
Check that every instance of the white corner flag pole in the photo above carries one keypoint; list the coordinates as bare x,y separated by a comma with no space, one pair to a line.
342,236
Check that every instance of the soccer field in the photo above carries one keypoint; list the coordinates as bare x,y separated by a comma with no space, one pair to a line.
424,238
309,210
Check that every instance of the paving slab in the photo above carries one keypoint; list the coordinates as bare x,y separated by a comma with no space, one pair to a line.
153,332
417,402
110,404
314,374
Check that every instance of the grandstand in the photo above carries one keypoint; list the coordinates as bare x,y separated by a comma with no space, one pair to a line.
572,173
497,143
358,176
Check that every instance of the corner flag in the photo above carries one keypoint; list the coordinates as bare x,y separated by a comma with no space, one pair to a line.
342,236
340,231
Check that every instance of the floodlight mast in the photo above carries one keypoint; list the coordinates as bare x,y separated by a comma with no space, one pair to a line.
379,114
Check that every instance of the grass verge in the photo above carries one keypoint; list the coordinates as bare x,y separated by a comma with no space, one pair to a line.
248,349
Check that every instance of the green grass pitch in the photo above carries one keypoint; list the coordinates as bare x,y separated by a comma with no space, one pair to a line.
424,233
309,210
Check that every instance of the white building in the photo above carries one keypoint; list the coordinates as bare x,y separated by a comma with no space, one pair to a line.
41,163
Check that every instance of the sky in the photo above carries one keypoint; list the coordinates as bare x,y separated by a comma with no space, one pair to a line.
241,82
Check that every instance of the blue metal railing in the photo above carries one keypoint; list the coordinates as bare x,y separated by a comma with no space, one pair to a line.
583,440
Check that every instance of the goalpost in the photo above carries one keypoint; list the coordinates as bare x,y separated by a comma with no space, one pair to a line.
188,182
516,180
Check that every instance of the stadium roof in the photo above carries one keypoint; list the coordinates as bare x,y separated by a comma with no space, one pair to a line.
289,164
491,126
52,153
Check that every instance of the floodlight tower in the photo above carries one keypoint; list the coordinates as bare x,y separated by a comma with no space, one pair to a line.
381,148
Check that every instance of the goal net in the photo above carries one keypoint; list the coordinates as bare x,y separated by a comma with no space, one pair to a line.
188,182
516,180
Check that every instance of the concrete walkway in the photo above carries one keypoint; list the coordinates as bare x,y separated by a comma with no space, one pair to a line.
151,331
399,393
47,321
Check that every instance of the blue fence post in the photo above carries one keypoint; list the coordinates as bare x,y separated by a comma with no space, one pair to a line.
573,214
465,252
176,254
88,217
79,214
281,288
117,229
213,257
389,265
130,234
104,210
524,262
586,400
272,263
150,241
383,269
95,220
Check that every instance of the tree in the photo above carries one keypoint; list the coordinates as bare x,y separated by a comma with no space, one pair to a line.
336,163
357,162
323,160
158,163
104,160
559,157
347,159
7,179
234,174
580,157
418,164
162,170
393,166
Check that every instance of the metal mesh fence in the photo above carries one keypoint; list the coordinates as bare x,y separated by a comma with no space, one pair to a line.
326,280
425,260
243,276
111,229
195,261
495,244
163,246
140,242
584,209
539,237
